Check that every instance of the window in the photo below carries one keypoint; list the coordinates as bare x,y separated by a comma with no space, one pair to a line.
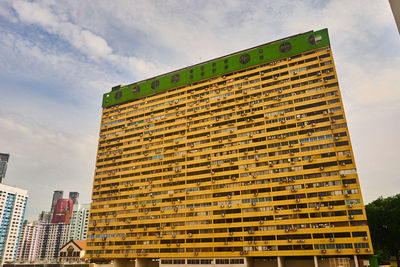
222,261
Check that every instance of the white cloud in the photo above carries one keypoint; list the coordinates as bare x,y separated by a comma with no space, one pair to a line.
373,84
6,12
95,43
42,159
42,15
87,42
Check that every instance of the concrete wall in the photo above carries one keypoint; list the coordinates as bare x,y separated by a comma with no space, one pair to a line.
121,263
266,263
146,263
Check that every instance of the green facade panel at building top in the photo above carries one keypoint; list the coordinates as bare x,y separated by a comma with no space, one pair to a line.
220,66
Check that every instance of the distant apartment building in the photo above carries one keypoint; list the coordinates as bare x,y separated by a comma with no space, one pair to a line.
12,210
63,211
43,239
45,216
52,237
58,194
29,241
3,165
74,196
79,222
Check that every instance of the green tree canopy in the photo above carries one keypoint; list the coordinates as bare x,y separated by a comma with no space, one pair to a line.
384,223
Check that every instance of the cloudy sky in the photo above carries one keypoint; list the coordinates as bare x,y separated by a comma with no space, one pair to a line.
57,58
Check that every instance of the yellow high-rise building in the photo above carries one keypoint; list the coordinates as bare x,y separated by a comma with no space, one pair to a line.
238,161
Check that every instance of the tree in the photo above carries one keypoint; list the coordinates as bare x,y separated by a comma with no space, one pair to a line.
384,223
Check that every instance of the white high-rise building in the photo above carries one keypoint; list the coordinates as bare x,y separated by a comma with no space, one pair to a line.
12,210
29,241
79,222
52,237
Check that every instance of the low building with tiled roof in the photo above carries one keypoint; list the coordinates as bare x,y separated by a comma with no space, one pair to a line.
73,251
